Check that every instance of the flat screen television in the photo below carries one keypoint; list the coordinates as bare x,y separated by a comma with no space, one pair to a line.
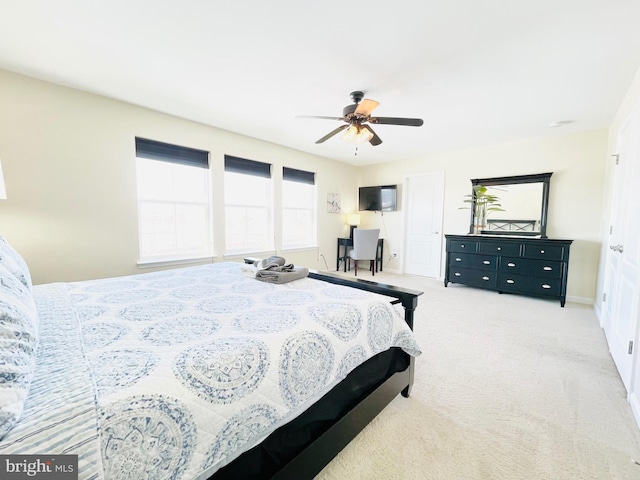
378,199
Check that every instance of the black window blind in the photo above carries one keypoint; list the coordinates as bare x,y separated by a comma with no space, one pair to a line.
246,167
301,176
166,152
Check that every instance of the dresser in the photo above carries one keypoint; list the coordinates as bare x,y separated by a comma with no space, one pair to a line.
527,266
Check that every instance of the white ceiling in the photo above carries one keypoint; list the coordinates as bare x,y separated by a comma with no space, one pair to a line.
477,71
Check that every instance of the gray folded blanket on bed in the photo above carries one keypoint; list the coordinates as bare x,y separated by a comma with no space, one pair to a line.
281,273
272,261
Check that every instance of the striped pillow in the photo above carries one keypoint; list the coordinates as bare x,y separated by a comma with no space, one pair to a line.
12,261
18,342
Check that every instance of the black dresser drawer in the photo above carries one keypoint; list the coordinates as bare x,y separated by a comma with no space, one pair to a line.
528,266
470,260
473,276
500,248
532,285
509,264
549,252
462,246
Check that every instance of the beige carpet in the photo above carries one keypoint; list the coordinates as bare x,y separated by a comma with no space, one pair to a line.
507,387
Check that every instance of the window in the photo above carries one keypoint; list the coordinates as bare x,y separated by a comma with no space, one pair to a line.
247,205
298,208
174,208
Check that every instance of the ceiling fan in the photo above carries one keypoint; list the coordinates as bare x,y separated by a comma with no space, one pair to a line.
358,117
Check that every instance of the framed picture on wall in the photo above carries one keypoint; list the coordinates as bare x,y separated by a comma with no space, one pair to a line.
333,202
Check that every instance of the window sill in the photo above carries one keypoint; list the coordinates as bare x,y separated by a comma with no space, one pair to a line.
300,249
167,262
249,253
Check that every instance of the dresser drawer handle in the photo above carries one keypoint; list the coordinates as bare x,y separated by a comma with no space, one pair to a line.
458,259
511,264
485,278
462,245
541,251
487,262
457,274
511,281
548,269
546,286
499,248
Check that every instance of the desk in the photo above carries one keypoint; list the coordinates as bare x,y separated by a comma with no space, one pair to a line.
345,243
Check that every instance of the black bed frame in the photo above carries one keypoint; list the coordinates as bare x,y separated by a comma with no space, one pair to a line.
317,454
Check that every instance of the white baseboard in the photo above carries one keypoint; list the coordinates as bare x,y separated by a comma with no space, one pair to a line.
634,402
598,311
392,270
583,300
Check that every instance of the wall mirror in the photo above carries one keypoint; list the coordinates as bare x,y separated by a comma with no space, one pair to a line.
525,201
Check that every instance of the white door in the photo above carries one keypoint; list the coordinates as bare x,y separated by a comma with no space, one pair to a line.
622,274
424,198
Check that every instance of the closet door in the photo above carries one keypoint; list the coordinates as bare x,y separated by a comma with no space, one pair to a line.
424,200
622,276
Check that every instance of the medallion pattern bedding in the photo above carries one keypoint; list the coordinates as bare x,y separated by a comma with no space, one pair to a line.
174,374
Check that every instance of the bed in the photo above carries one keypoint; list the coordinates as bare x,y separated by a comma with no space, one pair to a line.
198,372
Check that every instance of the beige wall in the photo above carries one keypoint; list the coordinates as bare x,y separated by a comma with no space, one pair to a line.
71,210
68,161
576,195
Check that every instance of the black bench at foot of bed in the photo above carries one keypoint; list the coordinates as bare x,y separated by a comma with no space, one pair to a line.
302,448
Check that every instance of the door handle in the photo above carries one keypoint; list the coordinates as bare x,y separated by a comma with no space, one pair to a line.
616,248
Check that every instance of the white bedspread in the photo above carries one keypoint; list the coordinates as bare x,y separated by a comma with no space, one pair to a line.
173,374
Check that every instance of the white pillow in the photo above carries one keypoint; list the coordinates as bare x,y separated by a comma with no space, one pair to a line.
12,261
18,343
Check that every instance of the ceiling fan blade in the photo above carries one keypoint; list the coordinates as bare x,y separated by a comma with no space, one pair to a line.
332,133
366,106
320,117
375,140
411,122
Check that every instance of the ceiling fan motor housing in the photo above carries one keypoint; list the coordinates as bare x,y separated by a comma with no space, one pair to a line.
349,109
357,97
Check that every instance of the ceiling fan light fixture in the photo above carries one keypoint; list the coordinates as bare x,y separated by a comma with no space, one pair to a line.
364,136
357,134
349,135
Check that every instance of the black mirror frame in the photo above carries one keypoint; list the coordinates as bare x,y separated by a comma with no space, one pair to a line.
544,178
